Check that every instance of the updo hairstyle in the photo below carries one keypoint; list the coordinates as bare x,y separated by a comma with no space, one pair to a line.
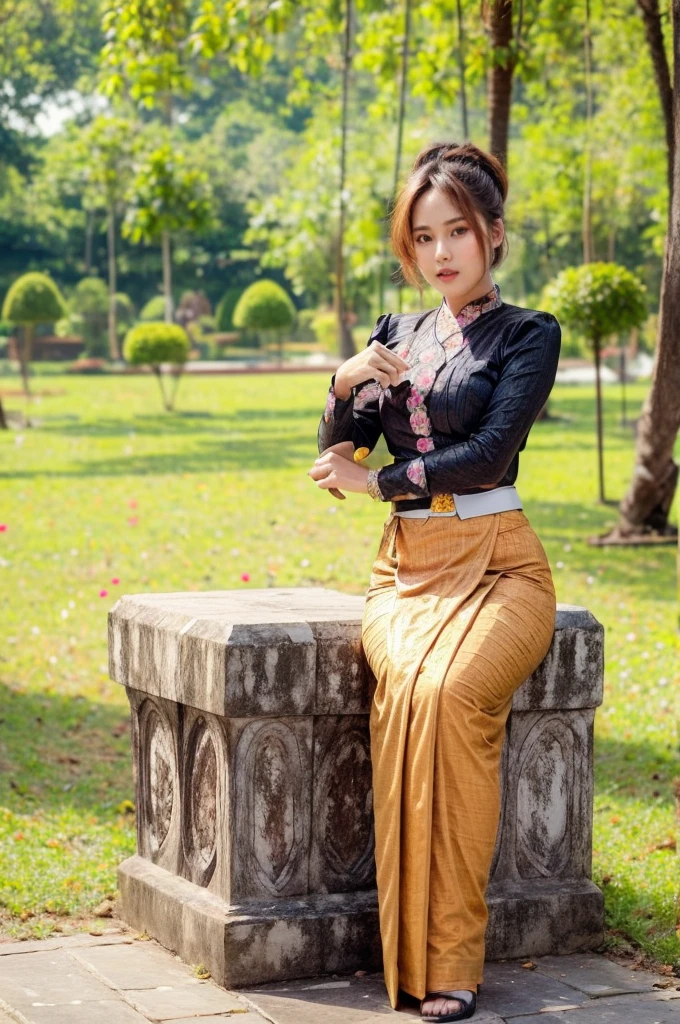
472,179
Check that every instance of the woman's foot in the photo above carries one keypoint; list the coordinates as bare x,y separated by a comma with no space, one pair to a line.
439,1006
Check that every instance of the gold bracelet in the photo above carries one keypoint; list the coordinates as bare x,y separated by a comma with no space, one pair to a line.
372,485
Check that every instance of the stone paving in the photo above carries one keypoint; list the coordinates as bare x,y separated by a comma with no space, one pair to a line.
118,978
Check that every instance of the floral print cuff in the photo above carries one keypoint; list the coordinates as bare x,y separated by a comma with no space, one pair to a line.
372,485
330,405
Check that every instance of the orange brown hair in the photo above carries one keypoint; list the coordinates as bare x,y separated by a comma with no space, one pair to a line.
471,178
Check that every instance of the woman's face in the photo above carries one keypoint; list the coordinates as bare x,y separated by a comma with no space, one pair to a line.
447,251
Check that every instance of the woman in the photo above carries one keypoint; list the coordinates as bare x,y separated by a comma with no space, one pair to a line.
460,607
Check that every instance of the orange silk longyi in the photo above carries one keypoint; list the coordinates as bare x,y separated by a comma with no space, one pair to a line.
458,614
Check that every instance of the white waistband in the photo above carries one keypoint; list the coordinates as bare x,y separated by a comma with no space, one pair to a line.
496,499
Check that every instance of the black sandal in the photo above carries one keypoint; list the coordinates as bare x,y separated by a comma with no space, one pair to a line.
464,996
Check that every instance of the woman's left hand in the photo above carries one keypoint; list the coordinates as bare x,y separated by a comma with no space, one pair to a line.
333,470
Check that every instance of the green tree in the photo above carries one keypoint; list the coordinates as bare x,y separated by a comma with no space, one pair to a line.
33,299
598,299
108,147
166,196
153,344
265,307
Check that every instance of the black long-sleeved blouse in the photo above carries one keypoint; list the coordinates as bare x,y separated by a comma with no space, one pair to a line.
461,415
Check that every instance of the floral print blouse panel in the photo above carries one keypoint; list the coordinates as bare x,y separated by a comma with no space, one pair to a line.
462,410
425,361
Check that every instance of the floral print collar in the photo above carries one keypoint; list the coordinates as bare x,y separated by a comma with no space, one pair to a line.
448,328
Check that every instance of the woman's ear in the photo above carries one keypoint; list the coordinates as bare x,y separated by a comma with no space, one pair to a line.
497,232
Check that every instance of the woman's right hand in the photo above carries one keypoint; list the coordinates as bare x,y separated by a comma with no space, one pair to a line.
375,362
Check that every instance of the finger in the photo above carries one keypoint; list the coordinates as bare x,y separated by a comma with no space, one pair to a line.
393,373
389,356
319,472
327,482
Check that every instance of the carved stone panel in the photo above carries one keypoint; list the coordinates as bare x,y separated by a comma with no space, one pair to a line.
205,788
270,791
154,735
545,828
342,858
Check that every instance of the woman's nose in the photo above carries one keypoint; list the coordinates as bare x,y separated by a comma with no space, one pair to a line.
441,248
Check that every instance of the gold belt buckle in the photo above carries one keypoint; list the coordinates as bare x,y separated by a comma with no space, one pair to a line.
442,503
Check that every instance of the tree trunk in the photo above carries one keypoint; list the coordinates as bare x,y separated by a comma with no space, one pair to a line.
25,355
654,32
587,212
89,231
114,351
345,339
461,72
401,113
167,275
3,421
597,342
403,79
499,80
158,373
646,505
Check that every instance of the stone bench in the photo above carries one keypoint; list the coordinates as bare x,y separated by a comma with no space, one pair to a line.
252,774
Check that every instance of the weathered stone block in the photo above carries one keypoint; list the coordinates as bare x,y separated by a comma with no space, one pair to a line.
254,785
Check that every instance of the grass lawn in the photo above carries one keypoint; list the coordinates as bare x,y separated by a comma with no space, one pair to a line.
108,495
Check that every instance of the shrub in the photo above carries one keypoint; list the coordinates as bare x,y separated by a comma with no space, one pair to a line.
597,299
325,327
265,307
32,299
154,343
225,309
154,309
90,302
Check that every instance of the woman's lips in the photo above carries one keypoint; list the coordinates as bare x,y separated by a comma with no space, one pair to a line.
447,273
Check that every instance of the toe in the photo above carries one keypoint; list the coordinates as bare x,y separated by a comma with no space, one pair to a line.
439,1007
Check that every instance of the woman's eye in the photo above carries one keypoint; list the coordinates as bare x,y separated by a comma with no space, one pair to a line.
456,231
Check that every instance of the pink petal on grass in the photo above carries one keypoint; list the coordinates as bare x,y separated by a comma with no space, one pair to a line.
115,581
103,593
133,520
3,527
245,576
132,504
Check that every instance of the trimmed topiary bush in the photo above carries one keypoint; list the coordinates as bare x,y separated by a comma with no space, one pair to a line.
152,344
597,299
154,309
33,299
90,302
224,310
267,308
